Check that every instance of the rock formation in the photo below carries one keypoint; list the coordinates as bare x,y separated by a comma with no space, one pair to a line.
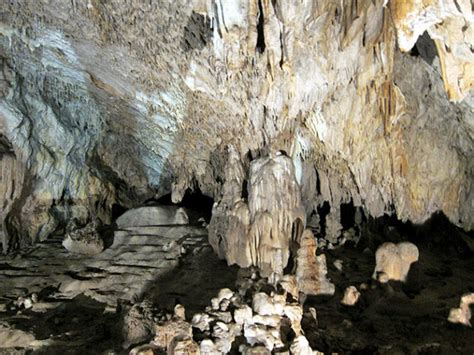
138,323
311,270
86,240
107,104
462,314
261,231
152,216
258,322
296,118
393,261
449,24
351,296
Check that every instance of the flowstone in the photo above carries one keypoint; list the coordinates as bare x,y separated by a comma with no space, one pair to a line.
259,232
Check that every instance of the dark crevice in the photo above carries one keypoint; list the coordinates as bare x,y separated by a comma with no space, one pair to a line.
117,210
194,201
457,6
281,49
323,211
5,146
414,52
318,183
424,48
216,20
347,215
260,29
245,193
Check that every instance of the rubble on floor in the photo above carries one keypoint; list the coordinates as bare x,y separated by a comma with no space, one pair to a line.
257,314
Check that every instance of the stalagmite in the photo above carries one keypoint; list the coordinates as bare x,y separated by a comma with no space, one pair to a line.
261,231
333,225
311,270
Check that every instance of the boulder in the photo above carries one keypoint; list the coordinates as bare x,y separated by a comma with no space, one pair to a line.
208,347
172,330
267,305
351,296
393,261
138,324
243,314
86,240
184,347
300,346
463,314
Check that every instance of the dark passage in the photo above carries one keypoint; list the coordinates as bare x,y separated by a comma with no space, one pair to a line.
260,29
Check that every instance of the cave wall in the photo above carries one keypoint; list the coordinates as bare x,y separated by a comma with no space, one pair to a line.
116,102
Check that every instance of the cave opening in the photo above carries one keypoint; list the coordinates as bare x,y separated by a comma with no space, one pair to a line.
424,48
197,204
117,210
348,212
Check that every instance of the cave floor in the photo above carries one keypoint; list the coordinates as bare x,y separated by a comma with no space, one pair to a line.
395,317
78,295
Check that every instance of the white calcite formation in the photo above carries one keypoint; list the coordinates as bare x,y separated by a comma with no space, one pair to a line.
300,346
393,261
259,232
462,314
208,347
86,240
311,269
259,323
351,296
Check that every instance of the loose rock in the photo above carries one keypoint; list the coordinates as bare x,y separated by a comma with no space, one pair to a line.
463,314
351,296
